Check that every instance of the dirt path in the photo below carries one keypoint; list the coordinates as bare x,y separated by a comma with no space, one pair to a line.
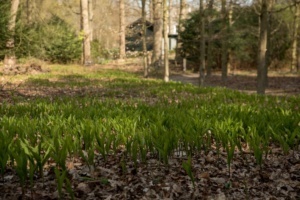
279,84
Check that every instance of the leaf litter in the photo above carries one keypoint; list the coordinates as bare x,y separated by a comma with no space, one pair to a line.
279,178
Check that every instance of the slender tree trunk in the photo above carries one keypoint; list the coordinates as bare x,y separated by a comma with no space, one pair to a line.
166,42
202,45
158,28
86,31
182,16
122,29
210,40
170,16
268,52
298,59
229,58
12,22
151,9
91,19
262,68
10,58
145,53
224,44
294,66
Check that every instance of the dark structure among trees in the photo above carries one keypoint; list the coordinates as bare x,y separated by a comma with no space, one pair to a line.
134,36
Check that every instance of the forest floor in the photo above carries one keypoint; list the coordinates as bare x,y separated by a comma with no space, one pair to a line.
280,82
278,178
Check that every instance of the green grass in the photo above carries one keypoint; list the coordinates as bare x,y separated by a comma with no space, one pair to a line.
76,111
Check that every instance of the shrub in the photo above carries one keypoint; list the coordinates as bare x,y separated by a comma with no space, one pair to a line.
100,53
53,41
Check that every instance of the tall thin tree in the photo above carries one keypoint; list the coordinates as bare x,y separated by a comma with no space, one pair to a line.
158,28
210,39
269,35
122,29
12,22
170,16
202,44
263,38
230,57
145,52
294,66
182,16
91,19
151,9
10,59
86,33
224,43
166,41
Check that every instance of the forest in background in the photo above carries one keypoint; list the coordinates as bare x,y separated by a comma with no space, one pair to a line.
212,34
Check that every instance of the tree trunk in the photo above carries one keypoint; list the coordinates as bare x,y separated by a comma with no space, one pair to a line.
210,40
12,22
268,52
158,28
229,59
91,19
224,43
262,68
166,42
86,31
170,16
182,16
145,53
294,66
151,9
298,59
122,29
10,58
202,45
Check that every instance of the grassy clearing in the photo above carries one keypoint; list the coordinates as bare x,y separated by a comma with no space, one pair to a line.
80,112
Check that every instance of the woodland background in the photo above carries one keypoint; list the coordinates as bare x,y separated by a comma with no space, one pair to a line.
212,35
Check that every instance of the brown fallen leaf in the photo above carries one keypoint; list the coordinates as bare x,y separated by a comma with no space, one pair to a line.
220,181
83,188
70,165
204,175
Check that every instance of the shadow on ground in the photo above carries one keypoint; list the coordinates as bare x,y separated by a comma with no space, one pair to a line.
114,85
